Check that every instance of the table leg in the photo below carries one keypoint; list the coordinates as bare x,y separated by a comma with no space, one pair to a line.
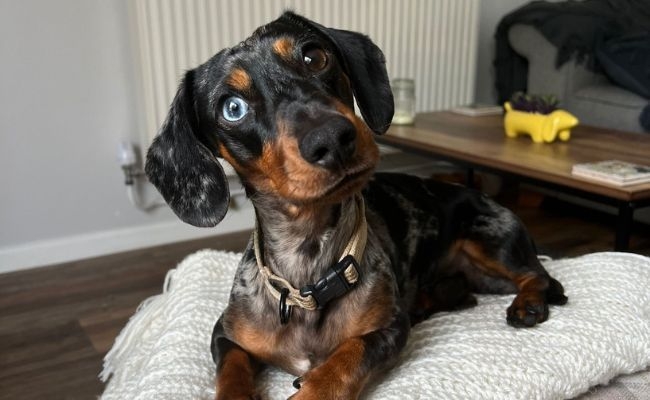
624,226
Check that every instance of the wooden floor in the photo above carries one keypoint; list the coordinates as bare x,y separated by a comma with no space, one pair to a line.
57,322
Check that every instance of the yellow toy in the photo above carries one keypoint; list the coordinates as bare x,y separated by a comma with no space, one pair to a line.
540,127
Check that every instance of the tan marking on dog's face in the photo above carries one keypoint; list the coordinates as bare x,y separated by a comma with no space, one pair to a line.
239,80
283,47
366,147
282,171
225,154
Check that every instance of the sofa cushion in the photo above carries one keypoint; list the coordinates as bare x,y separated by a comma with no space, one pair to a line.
626,61
608,106
607,93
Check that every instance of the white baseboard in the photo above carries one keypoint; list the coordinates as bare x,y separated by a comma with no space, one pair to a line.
71,248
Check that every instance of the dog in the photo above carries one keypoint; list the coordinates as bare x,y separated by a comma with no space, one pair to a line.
342,261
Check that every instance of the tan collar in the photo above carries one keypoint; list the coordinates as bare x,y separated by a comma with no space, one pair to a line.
290,296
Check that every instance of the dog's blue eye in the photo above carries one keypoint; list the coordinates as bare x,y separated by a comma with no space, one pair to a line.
234,109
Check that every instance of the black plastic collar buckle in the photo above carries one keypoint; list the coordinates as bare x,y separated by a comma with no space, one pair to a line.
333,284
285,310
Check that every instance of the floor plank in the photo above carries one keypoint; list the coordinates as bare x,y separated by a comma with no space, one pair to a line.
57,322
55,362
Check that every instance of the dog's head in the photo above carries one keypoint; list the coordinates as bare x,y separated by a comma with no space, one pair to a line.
279,108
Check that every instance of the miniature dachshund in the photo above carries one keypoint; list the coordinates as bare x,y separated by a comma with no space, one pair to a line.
342,261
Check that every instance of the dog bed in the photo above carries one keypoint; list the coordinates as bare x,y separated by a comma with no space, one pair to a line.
604,331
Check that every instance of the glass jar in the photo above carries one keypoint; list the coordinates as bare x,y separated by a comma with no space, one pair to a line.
404,97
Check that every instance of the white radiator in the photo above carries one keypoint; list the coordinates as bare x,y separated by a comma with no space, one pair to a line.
433,42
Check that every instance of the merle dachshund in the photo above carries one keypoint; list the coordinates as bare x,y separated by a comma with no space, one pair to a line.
342,261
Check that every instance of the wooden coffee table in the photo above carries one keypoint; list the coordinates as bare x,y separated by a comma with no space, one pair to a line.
479,142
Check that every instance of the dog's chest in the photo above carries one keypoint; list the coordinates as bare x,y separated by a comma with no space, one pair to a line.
299,348
304,342
309,337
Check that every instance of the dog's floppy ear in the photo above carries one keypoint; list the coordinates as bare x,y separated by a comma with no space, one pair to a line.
184,171
365,65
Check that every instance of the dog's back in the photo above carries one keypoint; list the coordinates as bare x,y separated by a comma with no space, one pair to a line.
433,230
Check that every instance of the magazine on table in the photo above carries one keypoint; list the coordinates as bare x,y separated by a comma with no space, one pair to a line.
616,172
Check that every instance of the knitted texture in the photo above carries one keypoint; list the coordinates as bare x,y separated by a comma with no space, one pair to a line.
604,331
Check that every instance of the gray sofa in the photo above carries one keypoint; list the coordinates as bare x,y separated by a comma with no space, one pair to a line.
589,96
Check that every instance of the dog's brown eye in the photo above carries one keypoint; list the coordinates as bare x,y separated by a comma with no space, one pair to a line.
315,59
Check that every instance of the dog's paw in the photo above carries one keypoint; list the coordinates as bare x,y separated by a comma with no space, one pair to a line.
297,383
237,395
555,293
527,309
311,391
321,384
244,397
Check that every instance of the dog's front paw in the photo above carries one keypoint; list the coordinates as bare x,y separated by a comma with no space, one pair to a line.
320,384
243,397
235,394
527,309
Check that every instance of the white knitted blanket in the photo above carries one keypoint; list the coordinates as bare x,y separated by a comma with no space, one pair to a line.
604,331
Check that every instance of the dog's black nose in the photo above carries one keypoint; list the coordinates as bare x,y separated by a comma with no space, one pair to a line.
330,144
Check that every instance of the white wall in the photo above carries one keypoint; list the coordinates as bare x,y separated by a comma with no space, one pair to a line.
68,95
67,98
